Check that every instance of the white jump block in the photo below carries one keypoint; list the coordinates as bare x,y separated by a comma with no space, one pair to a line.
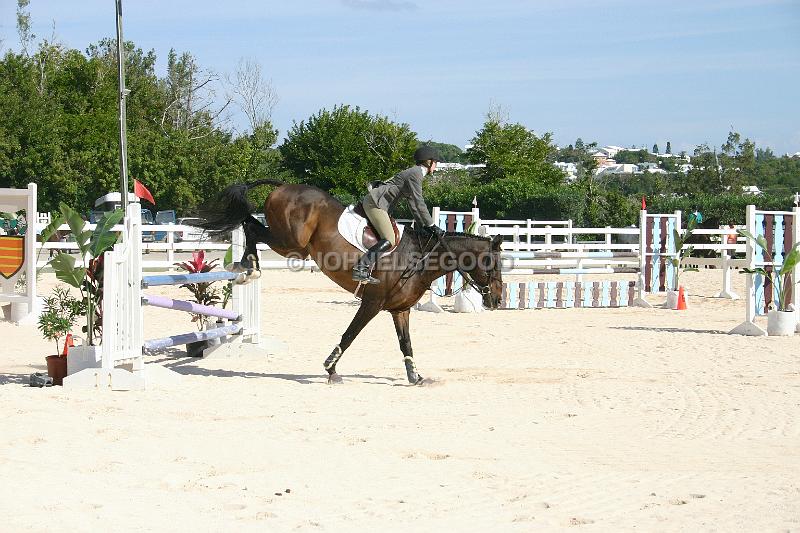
119,379
748,328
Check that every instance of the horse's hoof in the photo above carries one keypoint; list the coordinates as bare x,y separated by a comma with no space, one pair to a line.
416,381
335,379
236,268
253,275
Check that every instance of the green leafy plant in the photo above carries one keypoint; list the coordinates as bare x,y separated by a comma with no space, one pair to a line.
91,244
227,290
59,314
204,293
682,250
56,219
779,277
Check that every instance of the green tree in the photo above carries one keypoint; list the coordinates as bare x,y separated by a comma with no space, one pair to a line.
26,37
450,152
513,150
341,150
635,157
669,148
764,154
655,148
728,170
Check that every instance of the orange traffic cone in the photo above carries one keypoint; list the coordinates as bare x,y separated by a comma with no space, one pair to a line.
68,343
681,300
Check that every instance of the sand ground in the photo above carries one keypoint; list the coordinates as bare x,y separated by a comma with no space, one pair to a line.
608,420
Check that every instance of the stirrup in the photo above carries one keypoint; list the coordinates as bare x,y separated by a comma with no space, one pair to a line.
363,276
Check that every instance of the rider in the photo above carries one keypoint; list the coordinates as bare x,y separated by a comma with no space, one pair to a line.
380,200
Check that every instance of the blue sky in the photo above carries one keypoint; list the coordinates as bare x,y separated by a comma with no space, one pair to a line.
615,71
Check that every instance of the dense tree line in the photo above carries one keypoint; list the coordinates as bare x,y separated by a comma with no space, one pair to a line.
59,128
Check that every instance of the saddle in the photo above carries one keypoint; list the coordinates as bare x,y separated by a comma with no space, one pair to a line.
370,236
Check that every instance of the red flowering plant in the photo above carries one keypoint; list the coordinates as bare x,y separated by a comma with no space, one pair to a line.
204,293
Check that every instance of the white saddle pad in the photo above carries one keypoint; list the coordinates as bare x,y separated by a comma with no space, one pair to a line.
351,227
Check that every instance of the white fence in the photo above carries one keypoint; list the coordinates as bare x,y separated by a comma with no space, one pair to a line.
520,236
166,251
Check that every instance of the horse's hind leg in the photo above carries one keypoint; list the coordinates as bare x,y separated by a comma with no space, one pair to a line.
401,325
254,233
365,313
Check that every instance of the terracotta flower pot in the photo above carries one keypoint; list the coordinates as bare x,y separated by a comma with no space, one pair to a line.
57,368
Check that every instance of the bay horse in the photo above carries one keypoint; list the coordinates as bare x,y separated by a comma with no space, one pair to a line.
302,221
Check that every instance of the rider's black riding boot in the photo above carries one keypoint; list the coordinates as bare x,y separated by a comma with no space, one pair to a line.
365,264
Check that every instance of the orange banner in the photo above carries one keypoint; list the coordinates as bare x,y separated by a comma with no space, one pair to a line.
12,255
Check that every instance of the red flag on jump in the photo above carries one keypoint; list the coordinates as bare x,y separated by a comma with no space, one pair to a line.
644,204
141,192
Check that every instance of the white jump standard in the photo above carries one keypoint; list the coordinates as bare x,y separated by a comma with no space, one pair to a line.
123,340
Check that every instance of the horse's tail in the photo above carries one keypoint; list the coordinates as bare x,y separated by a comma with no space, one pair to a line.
231,207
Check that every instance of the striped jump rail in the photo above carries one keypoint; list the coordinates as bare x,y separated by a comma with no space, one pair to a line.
650,263
574,271
155,345
190,307
568,294
201,277
163,302
572,255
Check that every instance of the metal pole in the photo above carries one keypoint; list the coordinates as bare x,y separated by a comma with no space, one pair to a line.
123,93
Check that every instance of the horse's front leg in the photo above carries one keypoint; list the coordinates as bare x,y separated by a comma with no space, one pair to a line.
365,313
401,325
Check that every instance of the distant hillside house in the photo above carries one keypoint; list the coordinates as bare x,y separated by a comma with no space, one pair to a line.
570,169
620,168
612,150
601,156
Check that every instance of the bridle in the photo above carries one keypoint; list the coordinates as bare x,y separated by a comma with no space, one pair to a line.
482,289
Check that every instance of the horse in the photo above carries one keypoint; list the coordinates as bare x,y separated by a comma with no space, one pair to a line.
302,222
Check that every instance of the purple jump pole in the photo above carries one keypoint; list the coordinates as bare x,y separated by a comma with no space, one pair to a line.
186,338
189,307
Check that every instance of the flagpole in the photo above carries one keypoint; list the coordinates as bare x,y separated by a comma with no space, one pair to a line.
123,93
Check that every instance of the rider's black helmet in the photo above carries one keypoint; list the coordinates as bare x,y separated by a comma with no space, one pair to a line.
425,153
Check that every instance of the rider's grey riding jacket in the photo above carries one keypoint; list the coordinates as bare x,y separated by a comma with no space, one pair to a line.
408,184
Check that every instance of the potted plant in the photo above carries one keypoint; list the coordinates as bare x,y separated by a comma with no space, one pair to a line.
782,320
682,252
91,245
468,300
204,294
59,313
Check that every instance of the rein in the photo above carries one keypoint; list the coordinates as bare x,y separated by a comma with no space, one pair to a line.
482,289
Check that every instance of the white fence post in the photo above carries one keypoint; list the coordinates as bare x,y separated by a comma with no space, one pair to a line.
749,327
796,273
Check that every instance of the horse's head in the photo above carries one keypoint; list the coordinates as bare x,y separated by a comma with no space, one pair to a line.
487,273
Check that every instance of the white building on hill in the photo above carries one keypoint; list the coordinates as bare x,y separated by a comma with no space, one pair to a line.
619,168
570,169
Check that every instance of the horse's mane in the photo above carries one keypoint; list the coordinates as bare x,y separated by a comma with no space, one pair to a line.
459,234
467,235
